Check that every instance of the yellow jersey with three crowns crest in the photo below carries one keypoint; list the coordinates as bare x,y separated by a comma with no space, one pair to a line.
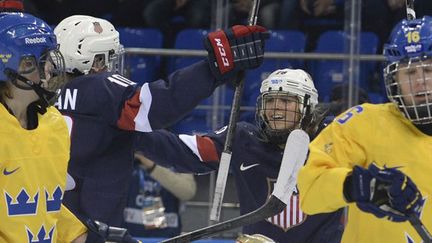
364,134
33,166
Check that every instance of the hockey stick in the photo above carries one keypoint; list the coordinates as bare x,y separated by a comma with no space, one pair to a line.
414,219
420,228
294,156
227,151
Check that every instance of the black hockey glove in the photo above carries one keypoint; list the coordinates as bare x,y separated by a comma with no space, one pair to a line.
238,48
383,192
101,232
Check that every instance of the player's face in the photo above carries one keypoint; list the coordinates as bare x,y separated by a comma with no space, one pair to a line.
282,112
28,68
415,82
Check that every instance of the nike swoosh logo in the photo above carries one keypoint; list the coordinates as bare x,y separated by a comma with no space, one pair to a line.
5,172
247,167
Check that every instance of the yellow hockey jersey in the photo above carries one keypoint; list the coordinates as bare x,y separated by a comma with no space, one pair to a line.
33,166
362,135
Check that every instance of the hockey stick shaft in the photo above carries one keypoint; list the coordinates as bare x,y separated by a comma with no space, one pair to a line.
272,207
227,151
420,228
294,156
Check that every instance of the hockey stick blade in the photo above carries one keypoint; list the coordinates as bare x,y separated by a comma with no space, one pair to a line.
420,228
295,154
226,154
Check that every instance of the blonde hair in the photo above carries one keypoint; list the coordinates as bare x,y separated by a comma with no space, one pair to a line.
4,92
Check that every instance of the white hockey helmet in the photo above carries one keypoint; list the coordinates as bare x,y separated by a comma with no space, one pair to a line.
293,81
87,41
285,83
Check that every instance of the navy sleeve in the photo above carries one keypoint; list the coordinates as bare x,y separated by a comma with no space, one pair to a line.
218,137
168,150
185,88
99,96
116,100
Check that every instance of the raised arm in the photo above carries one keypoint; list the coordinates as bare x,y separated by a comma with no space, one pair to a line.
161,103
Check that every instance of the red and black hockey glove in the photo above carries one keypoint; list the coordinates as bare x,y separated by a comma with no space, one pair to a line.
384,192
238,48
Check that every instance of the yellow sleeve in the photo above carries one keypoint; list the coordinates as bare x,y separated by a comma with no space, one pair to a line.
332,155
69,226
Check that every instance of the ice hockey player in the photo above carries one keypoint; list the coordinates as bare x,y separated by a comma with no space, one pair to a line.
371,157
287,101
104,109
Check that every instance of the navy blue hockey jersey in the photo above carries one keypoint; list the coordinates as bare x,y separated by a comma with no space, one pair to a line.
255,166
103,111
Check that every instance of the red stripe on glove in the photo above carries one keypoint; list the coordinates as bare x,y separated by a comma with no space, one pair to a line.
242,30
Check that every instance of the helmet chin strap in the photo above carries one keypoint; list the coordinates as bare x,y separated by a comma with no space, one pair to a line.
276,137
44,95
